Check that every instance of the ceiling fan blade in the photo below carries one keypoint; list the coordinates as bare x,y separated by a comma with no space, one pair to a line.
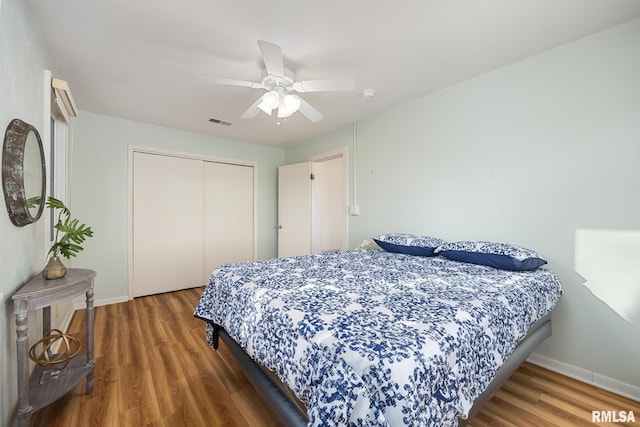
230,82
253,110
272,56
310,112
329,85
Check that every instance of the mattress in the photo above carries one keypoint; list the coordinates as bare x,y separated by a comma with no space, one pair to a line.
378,338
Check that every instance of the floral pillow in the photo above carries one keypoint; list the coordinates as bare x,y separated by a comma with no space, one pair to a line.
498,255
408,244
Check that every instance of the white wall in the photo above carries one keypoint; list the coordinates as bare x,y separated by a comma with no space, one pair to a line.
526,154
99,188
22,65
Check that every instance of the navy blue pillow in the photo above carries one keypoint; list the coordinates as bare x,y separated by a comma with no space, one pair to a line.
408,244
497,255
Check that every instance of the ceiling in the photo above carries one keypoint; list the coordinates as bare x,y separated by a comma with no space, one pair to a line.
137,59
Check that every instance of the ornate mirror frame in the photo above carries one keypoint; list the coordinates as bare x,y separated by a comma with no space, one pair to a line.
25,203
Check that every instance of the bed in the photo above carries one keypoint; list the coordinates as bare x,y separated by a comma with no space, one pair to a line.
375,337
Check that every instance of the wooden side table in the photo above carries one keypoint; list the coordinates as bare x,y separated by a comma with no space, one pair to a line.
46,384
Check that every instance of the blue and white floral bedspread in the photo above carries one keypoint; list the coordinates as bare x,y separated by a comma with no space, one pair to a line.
378,338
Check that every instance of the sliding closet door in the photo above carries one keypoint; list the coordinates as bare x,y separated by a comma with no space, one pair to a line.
167,223
228,211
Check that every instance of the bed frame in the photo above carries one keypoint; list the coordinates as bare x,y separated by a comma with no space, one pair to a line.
291,411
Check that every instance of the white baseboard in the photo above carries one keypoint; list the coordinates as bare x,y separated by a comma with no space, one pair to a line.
623,389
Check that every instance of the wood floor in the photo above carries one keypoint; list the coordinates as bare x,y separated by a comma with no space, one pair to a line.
154,368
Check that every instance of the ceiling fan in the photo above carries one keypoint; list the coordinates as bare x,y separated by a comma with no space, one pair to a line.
280,82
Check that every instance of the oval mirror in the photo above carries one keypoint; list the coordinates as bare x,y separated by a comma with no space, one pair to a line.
23,173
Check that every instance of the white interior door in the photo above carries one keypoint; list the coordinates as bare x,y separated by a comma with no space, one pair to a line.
228,212
167,223
295,188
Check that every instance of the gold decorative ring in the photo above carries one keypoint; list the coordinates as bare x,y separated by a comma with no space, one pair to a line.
69,347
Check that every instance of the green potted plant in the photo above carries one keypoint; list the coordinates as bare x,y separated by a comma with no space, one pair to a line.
70,234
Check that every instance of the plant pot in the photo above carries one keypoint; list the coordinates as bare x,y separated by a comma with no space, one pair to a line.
54,269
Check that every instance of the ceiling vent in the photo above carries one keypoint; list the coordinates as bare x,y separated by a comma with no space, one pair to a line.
220,122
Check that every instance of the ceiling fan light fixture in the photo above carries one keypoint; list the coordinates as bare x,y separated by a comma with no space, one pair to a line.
271,99
278,81
289,105
284,112
292,102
